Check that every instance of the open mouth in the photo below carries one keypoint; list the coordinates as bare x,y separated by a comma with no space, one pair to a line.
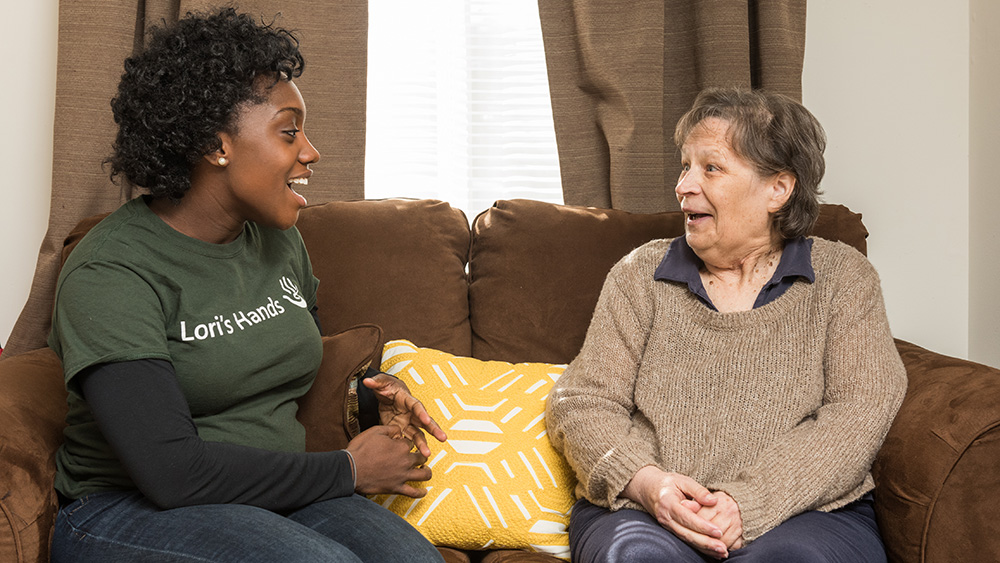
298,182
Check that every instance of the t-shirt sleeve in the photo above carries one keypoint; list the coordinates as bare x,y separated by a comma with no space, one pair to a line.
105,313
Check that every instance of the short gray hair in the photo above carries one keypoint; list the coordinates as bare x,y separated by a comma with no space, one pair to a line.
775,134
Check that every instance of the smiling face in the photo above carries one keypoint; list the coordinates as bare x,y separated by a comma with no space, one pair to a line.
267,158
727,206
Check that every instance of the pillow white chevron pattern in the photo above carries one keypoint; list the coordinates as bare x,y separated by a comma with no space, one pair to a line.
497,483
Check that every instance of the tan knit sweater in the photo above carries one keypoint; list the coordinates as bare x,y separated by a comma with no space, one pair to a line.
783,407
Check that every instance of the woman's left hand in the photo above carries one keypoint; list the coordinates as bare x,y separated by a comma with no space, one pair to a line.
396,406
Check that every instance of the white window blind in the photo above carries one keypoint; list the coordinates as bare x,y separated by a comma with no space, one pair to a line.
458,103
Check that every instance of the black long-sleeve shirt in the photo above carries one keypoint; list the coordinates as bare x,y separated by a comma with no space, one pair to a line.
144,416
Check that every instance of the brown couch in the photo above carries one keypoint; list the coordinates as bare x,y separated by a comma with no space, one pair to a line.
520,285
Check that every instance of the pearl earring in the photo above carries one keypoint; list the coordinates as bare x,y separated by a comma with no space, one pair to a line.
222,161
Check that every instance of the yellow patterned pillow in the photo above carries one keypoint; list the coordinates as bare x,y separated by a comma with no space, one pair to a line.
498,483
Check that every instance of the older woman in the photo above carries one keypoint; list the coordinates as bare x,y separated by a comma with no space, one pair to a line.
186,325
735,383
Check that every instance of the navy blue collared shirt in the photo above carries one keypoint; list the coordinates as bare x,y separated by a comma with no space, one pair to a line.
680,264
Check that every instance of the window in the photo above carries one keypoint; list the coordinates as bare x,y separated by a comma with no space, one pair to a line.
458,103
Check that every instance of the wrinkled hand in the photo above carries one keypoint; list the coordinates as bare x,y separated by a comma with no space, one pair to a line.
397,407
384,462
726,515
675,501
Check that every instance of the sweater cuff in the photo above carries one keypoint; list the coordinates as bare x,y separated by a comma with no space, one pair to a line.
613,473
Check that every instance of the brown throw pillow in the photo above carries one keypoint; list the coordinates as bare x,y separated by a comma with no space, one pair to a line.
325,410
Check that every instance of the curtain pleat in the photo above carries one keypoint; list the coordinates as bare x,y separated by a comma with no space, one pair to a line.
95,36
622,73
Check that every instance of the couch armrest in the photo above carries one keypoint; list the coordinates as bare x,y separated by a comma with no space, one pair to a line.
32,416
937,474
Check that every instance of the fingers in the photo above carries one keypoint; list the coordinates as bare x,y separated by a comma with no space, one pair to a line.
395,396
385,385
419,473
426,422
390,431
412,405
705,544
696,491
421,443
412,435
680,507
733,538
678,501
696,524
416,409
411,491
726,515
691,505
732,528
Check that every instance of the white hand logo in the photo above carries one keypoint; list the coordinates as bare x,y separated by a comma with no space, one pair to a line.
296,297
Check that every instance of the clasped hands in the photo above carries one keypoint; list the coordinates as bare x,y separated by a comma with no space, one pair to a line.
390,456
708,521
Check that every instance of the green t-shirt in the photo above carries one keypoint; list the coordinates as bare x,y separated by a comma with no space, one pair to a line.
233,319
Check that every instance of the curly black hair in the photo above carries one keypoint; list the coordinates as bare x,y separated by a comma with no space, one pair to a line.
185,87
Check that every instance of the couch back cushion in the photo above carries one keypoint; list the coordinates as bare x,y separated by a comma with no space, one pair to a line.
536,270
399,264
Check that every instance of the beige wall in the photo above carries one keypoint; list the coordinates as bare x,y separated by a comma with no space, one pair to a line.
984,196
28,99
890,80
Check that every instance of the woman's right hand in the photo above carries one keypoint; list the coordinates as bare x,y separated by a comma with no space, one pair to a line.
726,515
668,498
384,462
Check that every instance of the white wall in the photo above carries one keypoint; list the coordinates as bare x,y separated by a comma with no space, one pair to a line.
28,99
889,79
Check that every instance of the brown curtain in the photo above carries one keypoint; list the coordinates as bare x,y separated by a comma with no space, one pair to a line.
95,36
622,73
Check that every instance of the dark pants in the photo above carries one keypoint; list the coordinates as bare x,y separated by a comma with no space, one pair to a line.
849,534
110,527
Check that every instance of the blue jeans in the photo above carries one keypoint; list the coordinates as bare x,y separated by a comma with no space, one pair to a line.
124,526
847,535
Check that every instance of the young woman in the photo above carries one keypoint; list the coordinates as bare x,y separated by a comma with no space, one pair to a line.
186,326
